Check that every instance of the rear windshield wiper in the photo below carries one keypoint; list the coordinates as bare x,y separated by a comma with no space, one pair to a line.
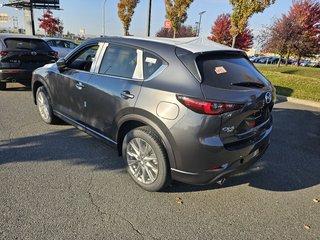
249,84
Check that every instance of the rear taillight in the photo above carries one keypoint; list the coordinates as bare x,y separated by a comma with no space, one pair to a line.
3,53
208,107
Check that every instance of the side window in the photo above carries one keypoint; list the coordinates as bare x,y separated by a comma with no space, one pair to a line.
73,45
122,61
69,45
50,43
151,64
60,44
84,59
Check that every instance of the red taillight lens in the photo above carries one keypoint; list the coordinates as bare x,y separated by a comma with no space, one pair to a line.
3,53
206,107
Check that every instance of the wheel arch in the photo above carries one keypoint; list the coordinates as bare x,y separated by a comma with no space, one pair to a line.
36,83
131,121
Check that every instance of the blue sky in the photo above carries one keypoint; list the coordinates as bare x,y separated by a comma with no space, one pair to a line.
88,15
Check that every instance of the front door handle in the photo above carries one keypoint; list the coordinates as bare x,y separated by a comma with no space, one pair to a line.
127,95
79,85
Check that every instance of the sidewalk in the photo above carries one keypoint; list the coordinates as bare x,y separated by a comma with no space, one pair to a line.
281,98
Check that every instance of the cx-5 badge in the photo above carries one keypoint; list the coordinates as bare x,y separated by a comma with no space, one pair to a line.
228,129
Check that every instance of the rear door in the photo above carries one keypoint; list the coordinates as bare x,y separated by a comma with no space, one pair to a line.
69,86
24,53
113,91
229,77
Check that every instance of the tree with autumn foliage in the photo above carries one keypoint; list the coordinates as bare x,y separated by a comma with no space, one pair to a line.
279,36
297,32
51,25
125,13
220,32
183,31
306,15
176,12
242,10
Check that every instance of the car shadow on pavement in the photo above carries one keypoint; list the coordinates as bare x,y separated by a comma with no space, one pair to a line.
69,145
291,163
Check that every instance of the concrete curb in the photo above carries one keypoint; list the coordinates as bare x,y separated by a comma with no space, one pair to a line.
314,104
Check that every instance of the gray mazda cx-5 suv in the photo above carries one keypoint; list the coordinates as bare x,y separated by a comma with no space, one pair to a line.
187,109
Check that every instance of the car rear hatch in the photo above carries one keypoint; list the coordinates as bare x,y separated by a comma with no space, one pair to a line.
25,53
231,79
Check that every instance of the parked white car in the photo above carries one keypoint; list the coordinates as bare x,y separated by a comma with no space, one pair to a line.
62,46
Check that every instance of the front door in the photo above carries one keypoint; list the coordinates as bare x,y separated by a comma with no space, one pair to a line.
70,85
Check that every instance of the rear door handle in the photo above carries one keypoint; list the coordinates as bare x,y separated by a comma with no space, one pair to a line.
127,95
79,85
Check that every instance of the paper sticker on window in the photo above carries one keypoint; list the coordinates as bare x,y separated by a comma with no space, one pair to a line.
151,60
220,70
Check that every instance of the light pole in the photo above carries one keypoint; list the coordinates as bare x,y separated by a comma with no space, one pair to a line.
149,18
104,17
200,17
32,18
197,26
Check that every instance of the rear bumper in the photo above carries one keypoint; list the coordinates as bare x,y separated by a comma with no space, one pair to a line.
231,162
15,75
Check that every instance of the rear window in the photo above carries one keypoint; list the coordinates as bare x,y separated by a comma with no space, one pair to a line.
222,71
27,44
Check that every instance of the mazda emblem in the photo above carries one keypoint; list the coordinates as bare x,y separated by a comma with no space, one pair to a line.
268,97
34,53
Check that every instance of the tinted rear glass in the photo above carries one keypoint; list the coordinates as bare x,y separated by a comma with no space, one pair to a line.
225,70
27,44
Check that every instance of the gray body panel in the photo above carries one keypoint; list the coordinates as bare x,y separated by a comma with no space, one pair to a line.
194,142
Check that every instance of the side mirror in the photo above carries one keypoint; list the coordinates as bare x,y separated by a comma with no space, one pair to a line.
61,64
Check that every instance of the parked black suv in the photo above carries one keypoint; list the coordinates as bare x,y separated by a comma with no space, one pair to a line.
186,109
20,55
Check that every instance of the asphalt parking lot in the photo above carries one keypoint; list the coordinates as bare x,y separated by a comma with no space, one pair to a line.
59,183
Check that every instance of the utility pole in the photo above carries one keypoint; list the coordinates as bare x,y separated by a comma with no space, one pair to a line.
32,18
149,18
104,18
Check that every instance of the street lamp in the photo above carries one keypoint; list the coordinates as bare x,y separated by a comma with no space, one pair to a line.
149,18
200,17
104,17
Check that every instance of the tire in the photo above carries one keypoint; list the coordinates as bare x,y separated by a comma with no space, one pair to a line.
3,85
147,161
44,106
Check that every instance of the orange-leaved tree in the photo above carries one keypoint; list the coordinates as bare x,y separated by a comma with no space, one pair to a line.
176,12
125,13
220,32
242,10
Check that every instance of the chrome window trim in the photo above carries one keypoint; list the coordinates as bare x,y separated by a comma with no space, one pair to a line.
102,50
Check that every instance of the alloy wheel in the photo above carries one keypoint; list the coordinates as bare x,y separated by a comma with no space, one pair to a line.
142,161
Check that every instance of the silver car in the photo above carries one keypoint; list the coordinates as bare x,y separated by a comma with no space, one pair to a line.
62,46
